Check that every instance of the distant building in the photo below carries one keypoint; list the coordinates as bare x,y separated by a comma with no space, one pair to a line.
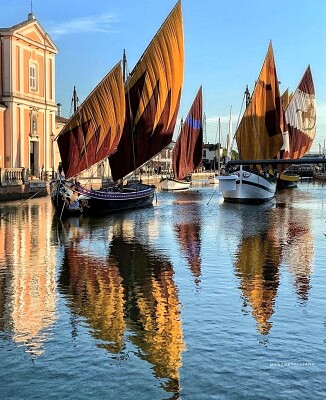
210,155
162,162
27,98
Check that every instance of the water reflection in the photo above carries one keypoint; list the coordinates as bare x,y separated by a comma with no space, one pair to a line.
27,275
297,242
270,236
257,261
120,285
188,233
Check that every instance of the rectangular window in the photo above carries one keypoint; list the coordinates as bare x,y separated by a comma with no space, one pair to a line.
32,77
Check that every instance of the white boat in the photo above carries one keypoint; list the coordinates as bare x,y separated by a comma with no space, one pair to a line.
259,138
247,186
174,184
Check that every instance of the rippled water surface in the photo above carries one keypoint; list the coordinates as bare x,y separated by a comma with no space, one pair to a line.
192,298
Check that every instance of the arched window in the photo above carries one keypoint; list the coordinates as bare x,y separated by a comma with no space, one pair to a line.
33,76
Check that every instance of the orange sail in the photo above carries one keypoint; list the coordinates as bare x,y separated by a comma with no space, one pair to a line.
94,131
153,92
187,151
259,135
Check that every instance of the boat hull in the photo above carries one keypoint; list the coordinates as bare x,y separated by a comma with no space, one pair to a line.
248,187
288,180
320,176
71,199
213,179
174,184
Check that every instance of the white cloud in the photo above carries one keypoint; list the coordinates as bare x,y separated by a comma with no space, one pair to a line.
92,23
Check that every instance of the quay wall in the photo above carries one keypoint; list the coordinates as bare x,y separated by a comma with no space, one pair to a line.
38,188
35,188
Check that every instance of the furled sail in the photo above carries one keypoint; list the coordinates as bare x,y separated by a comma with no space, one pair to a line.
187,151
153,92
300,117
94,131
259,135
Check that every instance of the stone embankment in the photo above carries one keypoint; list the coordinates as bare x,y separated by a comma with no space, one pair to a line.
33,188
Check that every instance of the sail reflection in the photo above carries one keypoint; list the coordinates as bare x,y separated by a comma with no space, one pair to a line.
257,260
188,233
271,236
124,286
93,285
297,242
27,275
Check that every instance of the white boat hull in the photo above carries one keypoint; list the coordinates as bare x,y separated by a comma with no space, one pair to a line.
174,184
213,179
247,187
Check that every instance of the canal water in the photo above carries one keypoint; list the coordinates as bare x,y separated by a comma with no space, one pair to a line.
192,298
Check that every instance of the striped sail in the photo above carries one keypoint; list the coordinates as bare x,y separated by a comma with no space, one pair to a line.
259,135
187,151
94,131
300,117
153,93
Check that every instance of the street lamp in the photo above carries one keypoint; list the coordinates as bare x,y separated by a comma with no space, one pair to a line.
52,136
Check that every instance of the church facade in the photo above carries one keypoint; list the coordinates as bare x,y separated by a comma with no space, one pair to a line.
27,98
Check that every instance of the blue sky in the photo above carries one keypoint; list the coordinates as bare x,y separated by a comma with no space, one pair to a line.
225,45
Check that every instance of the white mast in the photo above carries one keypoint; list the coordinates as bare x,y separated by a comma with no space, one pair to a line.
229,140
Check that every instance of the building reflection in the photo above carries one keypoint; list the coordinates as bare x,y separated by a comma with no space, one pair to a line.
27,274
119,285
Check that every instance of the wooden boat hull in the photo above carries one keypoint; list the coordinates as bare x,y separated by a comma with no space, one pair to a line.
174,184
71,199
320,176
288,180
246,186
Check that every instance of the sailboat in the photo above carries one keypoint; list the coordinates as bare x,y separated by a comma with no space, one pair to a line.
125,121
300,119
258,137
187,151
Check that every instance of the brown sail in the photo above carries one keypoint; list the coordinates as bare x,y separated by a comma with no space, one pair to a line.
153,92
187,151
93,132
259,135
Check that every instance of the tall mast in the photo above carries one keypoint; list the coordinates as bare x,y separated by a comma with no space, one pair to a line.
75,100
247,95
124,65
219,144
229,140
204,128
